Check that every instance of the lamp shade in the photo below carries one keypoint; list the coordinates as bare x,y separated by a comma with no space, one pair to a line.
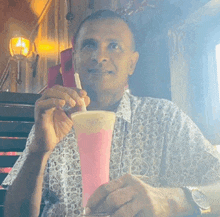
19,47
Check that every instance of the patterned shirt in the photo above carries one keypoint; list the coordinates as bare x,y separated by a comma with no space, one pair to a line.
152,138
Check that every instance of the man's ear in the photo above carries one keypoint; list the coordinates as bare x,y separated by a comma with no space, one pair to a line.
133,61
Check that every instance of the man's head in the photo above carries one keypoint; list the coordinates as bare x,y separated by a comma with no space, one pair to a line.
101,15
104,53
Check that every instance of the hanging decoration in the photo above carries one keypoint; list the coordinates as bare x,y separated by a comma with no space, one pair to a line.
91,4
69,16
135,6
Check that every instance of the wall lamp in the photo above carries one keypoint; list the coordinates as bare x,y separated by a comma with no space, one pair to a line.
20,48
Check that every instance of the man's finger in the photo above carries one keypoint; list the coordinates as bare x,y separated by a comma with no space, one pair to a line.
59,95
102,192
99,196
75,93
87,100
131,209
82,93
70,90
117,199
44,105
68,94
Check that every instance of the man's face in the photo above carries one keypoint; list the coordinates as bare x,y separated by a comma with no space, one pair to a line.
103,56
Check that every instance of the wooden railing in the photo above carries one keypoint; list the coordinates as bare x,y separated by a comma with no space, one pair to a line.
16,121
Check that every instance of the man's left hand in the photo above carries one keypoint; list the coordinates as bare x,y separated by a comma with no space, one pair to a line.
129,196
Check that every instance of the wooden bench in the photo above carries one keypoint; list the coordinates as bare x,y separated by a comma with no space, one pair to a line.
16,121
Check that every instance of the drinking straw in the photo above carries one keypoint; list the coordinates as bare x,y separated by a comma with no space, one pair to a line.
78,85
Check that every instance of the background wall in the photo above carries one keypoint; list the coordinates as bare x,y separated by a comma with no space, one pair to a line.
193,72
177,59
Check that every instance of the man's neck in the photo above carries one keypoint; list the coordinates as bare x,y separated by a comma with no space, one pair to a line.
105,101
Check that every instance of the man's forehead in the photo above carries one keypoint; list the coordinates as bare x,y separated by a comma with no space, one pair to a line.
112,28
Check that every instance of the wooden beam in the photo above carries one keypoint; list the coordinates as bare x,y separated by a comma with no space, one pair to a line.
8,161
15,128
19,98
12,145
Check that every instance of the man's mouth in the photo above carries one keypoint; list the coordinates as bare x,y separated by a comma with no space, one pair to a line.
98,71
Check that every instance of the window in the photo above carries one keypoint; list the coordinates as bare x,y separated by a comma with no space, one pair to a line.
217,51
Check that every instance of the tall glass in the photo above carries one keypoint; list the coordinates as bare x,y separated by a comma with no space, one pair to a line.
94,136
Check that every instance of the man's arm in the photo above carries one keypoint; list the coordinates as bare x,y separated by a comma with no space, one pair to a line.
51,125
213,194
129,196
23,197
185,205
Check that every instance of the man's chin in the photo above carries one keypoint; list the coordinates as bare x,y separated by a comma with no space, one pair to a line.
95,90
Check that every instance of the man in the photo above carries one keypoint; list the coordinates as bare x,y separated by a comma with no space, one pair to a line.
153,140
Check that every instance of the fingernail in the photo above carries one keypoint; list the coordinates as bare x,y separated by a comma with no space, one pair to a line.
81,102
82,93
72,103
87,210
59,107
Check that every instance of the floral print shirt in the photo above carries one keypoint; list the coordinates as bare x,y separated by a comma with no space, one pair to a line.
152,138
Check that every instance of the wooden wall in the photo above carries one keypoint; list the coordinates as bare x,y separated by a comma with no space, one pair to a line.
52,35
167,37
16,18
151,26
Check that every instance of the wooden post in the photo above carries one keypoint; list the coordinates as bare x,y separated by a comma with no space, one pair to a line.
13,76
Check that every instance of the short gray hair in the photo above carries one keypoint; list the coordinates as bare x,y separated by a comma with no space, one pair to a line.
101,15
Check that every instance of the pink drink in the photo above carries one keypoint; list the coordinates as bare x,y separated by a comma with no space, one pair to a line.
94,135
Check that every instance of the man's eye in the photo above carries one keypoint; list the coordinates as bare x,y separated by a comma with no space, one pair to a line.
114,46
90,46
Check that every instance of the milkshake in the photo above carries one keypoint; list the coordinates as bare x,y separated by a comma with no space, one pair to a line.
94,135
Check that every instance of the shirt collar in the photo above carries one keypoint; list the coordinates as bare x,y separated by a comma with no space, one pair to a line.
124,108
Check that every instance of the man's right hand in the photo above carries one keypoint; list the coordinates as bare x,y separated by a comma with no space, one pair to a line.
51,122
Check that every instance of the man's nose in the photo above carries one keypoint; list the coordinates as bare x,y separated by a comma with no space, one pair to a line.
100,55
